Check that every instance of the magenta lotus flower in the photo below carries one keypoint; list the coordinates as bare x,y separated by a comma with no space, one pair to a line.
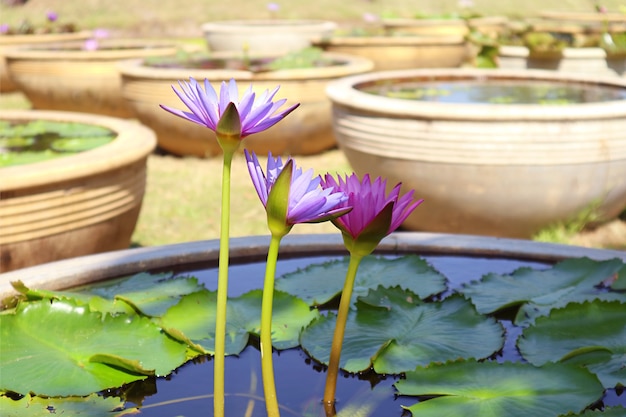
52,16
374,214
306,201
206,108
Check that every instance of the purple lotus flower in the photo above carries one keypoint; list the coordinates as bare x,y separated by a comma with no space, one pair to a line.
306,201
206,108
52,16
4,28
374,214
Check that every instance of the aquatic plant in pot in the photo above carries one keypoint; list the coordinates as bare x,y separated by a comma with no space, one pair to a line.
571,48
53,30
80,76
398,322
464,140
72,185
389,51
302,75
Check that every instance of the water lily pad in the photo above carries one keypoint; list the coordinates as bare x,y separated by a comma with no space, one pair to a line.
538,292
194,317
591,333
491,389
401,332
57,348
79,144
147,294
92,406
320,283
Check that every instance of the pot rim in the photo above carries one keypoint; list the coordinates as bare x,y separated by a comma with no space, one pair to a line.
389,40
38,38
134,68
343,92
240,26
133,48
87,269
133,142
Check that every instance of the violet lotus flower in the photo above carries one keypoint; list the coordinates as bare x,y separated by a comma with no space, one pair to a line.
307,202
374,213
52,16
206,107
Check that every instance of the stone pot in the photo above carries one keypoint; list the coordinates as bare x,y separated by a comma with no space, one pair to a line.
578,60
308,130
8,41
493,169
74,205
264,37
428,27
67,77
460,258
402,52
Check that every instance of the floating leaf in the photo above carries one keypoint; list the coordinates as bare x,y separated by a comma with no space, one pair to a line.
607,412
194,316
317,284
491,389
93,406
592,333
59,348
405,333
538,292
148,294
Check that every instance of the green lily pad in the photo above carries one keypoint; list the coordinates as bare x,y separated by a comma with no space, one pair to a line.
607,412
79,144
90,406
194,317
320,283
491,389
592,333
393,331
538,292
58,348
147,294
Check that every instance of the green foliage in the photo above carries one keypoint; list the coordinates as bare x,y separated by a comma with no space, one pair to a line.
319,284
393,332
489,389
404,320
601,347
535,293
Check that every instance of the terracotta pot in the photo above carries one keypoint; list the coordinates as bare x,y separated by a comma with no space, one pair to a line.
491,26
6,84
73,205
494,169
427,27
308,130
402,52
265,37
66,77
578,60
590,21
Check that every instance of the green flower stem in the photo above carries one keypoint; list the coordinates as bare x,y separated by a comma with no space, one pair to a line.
340,328
267,366
222,291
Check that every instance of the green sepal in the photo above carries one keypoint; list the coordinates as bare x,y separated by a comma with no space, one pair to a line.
278,202
228,129
365,243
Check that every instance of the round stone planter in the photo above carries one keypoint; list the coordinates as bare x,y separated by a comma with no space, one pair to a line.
308,130
461,259
66,77
264,37
402,52
493,169
578,60
426,27
74,205
6,84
